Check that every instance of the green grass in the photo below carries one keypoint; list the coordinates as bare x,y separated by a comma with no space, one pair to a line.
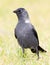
10,51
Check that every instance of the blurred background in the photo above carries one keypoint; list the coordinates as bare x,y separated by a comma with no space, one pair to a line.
10,51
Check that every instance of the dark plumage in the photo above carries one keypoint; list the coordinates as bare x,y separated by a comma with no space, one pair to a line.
25,33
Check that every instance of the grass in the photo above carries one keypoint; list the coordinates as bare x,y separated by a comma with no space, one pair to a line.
10,51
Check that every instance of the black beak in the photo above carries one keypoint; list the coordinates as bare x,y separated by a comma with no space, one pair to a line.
14,11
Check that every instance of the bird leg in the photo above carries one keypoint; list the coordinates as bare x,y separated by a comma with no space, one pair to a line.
23,50
37,51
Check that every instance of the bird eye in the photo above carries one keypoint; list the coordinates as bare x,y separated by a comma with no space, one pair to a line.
19,11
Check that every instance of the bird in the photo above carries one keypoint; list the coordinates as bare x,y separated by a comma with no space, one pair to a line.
26,33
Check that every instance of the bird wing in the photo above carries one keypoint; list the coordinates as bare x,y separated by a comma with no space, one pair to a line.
15,33
34,32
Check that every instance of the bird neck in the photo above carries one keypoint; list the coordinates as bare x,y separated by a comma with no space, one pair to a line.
23,20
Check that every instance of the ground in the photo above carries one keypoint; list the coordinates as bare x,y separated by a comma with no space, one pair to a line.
10,51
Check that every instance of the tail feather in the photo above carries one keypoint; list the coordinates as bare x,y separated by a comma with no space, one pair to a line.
41,49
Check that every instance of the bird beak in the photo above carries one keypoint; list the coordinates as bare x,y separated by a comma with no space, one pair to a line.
14,11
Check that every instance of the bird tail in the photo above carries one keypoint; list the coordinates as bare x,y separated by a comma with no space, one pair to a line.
39,48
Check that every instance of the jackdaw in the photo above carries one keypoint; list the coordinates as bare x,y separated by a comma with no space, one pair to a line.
25,32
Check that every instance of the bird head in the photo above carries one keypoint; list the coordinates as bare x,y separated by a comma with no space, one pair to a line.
21,13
